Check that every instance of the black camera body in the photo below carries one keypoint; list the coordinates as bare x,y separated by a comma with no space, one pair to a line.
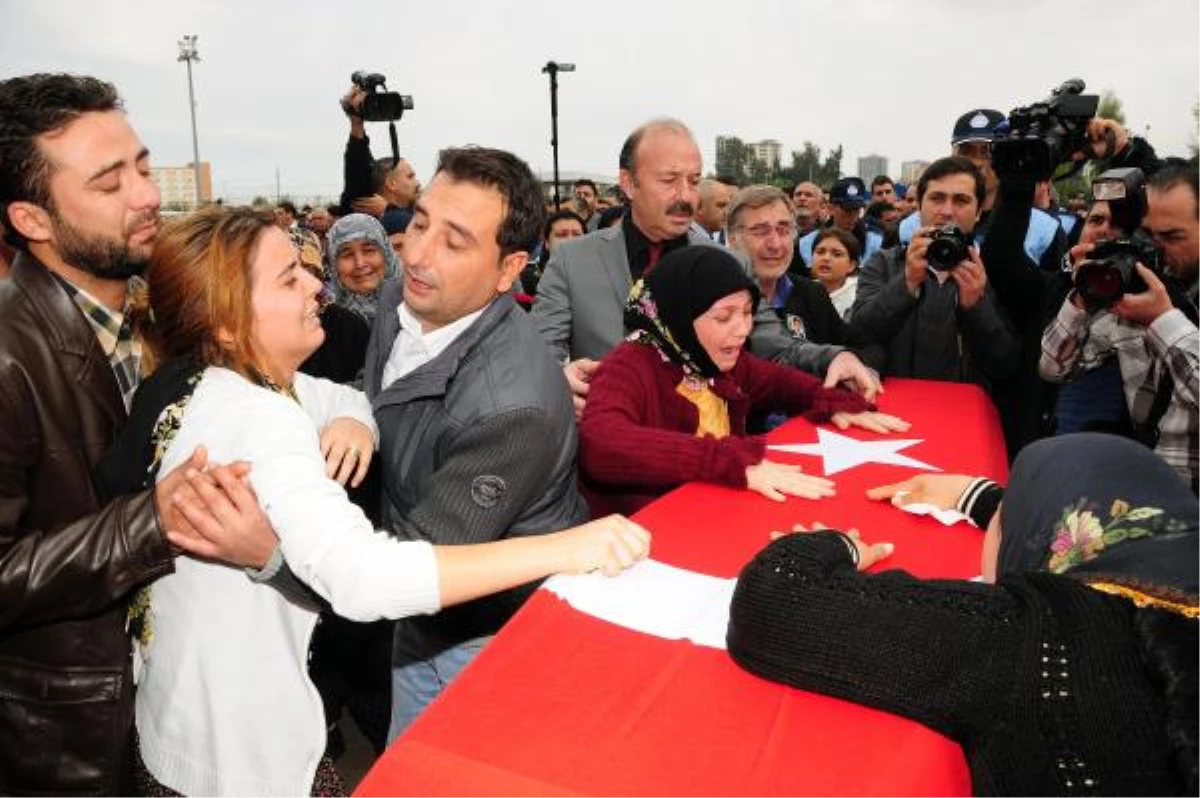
948,247
1043,135
380,105
1109,273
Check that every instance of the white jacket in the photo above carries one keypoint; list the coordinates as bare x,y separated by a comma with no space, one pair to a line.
224,703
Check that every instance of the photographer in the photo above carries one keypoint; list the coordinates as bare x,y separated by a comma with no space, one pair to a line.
929,304
1150,330
372,186
1030,288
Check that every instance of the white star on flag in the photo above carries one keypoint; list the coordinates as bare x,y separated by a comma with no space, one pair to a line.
841,453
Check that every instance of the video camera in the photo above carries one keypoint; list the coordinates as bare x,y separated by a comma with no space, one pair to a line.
1044,134
1109,273
379,105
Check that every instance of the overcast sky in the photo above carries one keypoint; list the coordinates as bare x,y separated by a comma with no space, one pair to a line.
886,76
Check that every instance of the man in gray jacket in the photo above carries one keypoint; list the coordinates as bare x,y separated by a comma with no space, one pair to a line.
938,323
477,432
580,304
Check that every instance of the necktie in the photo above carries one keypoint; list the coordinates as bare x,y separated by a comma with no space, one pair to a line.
653,256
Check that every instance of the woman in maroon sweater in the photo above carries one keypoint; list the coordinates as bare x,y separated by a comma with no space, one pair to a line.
669,405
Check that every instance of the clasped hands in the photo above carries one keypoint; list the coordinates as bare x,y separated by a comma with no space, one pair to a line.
211,511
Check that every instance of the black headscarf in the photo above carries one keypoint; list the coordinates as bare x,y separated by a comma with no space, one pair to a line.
677,291
1099,505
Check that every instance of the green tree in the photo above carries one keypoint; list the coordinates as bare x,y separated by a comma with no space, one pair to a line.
733,158
1111,107
807,164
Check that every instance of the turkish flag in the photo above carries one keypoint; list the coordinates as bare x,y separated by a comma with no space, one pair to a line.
561,702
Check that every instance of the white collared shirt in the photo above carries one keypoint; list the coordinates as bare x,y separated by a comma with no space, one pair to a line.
414,348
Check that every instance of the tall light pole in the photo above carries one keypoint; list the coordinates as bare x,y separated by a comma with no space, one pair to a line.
188,53
552,68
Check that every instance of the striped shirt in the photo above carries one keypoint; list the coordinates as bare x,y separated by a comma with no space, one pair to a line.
1077,342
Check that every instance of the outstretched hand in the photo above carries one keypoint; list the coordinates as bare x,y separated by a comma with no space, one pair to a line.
868,553
608,545
870,420
857,376
940,490
777,481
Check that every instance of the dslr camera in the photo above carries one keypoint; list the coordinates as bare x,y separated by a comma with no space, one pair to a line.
379,105
1109,272
947,248
1042,135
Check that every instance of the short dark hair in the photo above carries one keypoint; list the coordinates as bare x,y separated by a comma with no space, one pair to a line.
728,180
610,215
881,180
1174,174
558,216
288,206
512,177
953,165
380,169
849,241
877,209
32,106
583,181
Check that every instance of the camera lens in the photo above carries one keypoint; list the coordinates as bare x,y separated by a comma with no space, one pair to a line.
1100,283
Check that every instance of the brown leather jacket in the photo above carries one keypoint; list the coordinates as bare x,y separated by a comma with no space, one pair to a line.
67,565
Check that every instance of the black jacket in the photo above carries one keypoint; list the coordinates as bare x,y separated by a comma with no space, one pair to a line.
1040,678
67,564
820,322
929,336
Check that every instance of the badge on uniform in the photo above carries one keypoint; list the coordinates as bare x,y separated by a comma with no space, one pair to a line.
795,325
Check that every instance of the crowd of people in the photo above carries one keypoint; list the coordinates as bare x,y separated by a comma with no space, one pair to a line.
267,463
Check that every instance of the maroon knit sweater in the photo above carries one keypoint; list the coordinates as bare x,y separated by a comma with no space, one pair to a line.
637,437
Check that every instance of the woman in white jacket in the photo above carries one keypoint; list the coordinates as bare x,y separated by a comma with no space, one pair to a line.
224,703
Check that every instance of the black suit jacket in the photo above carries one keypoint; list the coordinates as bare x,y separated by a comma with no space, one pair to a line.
810,312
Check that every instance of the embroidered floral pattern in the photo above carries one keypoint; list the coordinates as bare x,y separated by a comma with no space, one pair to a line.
656,334
1081,534
139,616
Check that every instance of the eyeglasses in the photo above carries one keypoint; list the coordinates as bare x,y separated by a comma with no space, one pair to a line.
974,149
783,230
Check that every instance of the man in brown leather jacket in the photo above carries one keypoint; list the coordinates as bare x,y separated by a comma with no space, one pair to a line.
82,211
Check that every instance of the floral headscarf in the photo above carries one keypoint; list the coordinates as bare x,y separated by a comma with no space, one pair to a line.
353,227
1099,506
663,305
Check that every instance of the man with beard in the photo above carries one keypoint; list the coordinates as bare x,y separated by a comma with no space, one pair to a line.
81,210
1151,330
580,307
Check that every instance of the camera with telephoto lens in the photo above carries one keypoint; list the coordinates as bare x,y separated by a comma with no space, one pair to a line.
379,105
947,248
1042,135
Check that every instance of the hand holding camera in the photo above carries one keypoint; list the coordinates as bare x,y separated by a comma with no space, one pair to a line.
971,278
1143,308
916,264
374,102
